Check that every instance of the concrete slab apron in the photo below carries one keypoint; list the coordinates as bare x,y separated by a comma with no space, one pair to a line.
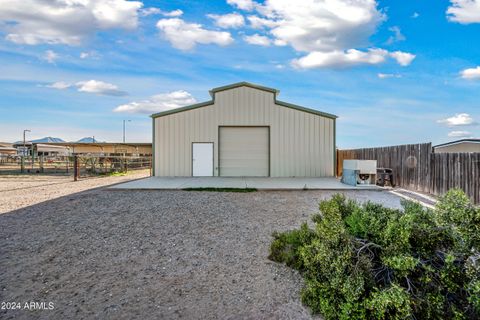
214,182
239,182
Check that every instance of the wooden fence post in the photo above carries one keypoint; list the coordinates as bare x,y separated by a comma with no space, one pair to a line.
41,164
76,170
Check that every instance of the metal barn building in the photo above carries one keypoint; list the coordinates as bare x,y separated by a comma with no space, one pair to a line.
461,146
244,131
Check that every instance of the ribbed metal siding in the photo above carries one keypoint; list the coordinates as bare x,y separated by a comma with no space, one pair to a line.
301,143
244,151
459,147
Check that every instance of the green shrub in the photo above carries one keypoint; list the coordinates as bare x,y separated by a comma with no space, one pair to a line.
286,244
365,261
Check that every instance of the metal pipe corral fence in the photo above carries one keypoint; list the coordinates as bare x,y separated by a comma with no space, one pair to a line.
78,165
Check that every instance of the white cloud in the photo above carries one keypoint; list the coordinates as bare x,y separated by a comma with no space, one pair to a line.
64,21
415,15
89,86
158,103
154,11
174,13
403,58
89,54
460,134
231,20
322,25
50,56
460,119
464,11
331,32
185,36
259,23
150,11
388,75
471,73
338,59
280,43
99,87
60,85
258,40
111,14
397,35
247,5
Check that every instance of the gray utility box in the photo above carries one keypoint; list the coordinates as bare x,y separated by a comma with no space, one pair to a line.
359,172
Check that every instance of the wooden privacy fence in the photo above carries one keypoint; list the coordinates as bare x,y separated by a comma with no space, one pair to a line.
417,168
410,163
456,170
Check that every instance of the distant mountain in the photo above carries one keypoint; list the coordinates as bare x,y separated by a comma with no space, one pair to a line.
43,140
48,139
88,140
52,139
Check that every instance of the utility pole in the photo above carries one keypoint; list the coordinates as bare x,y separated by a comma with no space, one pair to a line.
124,121
22,164
26,130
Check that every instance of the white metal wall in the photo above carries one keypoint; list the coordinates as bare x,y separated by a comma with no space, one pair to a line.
244,151
459,147
301,143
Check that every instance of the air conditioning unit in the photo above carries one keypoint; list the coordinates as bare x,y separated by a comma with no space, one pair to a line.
359,172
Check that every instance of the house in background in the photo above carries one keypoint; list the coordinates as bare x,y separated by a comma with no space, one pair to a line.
85,148
244,131
40,149
7,149
463,145
107,148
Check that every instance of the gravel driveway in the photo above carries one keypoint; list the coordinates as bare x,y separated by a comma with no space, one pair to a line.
109,254
18,191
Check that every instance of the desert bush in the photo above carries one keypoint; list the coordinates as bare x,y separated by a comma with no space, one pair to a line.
365,261
286,244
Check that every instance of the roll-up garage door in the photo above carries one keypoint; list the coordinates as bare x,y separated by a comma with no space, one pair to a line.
244,151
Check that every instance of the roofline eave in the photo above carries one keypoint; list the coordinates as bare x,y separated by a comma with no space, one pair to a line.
241,84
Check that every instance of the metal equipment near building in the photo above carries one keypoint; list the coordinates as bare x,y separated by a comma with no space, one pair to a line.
385,176
359,172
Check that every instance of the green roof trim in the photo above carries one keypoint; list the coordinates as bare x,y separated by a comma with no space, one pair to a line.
186,108
471,140
243,84
300,108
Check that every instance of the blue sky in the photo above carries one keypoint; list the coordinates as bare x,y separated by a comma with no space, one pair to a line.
393,71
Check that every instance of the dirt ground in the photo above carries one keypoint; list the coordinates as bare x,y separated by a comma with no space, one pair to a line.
19,191
109,254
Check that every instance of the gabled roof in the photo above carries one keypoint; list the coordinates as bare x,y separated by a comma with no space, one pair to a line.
244,84
457,142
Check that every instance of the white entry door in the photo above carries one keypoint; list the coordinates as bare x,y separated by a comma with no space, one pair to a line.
202,159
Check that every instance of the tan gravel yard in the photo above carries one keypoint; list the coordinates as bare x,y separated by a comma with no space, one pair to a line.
110,254
19,191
